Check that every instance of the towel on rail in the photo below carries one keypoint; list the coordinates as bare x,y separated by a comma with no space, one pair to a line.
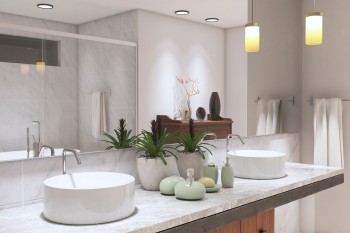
98,114
269,117
328,133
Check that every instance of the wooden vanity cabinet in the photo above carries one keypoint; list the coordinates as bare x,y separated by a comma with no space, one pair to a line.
221,128
261,223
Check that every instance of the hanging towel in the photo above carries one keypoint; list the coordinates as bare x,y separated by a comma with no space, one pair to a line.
98,114
328,133
269,117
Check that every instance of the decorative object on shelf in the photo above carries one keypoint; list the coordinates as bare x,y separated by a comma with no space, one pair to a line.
157,160
227,175
215,107
123,139
211,171
193,152
313,27
190,189
200,113
191,88
252,35
167,185
188,115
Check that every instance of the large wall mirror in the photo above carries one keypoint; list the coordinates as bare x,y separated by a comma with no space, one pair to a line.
51,77
48,87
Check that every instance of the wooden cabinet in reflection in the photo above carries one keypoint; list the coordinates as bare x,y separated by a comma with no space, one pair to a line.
220,128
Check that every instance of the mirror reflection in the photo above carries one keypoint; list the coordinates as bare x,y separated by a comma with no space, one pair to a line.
60,92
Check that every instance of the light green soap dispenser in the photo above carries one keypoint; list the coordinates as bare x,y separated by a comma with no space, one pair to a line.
190,189
227,176
211,171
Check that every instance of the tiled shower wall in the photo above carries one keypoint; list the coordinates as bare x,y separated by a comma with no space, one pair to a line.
110,68
48,97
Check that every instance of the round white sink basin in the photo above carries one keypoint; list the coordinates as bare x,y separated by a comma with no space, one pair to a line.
89,198
258,164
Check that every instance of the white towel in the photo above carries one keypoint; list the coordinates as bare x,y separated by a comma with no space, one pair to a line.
328,133
98,114
269,117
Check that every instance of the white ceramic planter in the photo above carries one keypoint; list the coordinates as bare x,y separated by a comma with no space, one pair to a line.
152,171
191,160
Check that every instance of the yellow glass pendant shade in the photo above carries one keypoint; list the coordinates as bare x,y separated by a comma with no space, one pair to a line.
313,28
252,38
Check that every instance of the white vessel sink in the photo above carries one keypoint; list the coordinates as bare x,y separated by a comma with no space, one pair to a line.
258,164
89,198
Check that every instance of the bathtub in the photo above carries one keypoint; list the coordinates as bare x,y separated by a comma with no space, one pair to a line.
22,154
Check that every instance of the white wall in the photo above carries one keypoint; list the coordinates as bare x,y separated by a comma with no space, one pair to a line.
275,71
168,47
236,89
326,73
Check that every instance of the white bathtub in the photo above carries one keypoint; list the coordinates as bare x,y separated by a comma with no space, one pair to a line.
22,154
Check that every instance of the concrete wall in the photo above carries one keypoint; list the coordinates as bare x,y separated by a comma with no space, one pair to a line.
168,47
326,73
275,72
236,80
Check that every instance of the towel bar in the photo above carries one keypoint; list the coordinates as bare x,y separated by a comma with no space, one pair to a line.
312,99
292,100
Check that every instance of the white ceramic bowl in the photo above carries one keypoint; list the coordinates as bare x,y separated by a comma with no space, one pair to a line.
89,198
258,164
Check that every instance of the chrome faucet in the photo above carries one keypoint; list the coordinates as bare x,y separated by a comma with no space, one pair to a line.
231,136
36,144
64,155
48,147
28,147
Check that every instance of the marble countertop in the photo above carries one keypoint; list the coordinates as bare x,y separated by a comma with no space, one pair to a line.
156,212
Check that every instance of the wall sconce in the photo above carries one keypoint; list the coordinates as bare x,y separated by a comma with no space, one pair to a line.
25,68
252,35
40,66
313,27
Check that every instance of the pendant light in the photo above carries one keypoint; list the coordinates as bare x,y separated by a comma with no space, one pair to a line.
252,35
313,27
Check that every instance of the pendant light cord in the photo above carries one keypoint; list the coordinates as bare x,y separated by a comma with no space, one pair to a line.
314,5
253,11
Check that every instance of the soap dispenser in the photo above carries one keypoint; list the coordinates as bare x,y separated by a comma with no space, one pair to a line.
227,176
211,171
190,189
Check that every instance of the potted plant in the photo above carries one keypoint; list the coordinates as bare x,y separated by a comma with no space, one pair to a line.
157,160
123,139
194,152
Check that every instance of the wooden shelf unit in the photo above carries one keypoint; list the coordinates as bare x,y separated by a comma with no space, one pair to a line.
221,127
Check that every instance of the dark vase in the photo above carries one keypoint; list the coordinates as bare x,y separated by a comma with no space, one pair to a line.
215,106
200,113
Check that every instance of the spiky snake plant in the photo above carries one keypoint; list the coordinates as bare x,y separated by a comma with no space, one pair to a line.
154,144
192,143
123,139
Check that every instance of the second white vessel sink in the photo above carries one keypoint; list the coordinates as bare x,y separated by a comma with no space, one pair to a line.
89,198
258,164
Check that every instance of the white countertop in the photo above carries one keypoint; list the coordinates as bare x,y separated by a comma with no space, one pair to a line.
156,212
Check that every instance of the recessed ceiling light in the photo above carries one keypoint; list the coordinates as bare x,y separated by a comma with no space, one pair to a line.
44,6
182,12
212,19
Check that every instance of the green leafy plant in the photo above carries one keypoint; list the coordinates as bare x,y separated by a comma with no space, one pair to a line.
192,143
123,139
154,144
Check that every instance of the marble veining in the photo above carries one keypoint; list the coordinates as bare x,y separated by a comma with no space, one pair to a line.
156,212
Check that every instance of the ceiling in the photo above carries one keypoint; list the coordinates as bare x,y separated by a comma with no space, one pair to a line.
230,12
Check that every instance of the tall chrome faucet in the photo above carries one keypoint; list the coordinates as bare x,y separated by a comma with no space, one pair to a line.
64,155
231,136
37,144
